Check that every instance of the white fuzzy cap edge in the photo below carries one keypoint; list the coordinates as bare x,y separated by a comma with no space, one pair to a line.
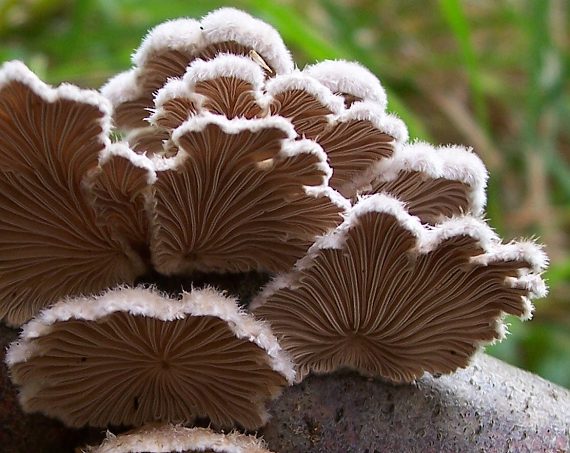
150,303
230,24
168,438
298,80
183,35
455,163
349,77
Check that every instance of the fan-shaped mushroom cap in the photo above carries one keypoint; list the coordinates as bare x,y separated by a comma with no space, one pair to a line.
393,299
434,183
132,356
349,79
171,438
241,196
50,244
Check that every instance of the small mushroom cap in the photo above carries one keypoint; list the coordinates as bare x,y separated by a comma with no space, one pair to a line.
349,79
132,356
226,85
173,438
434,182
356,141
390,298
50,243
307,103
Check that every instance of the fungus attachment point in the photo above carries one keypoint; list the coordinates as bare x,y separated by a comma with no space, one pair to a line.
132,356
390,298
172,439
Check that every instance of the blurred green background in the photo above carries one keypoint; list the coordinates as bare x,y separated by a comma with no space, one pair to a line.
489,74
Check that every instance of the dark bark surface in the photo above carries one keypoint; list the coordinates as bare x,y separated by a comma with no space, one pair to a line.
490,406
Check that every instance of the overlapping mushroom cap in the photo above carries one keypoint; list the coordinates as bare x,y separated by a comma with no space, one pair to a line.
230,65
51,242
392,298
178,439
133,356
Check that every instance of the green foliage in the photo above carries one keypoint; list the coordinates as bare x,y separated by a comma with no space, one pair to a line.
493,75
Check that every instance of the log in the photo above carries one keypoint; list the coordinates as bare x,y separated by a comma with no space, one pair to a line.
491,406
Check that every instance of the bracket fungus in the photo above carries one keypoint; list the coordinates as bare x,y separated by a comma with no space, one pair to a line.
230,161
132,356
231,65
390,298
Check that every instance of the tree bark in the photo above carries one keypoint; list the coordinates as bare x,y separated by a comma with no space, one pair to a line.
490,406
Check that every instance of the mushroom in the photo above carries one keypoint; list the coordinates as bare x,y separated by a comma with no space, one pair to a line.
391,298
232,163
133,356
50,243
435,183
240,196
354,140
175,438
307,103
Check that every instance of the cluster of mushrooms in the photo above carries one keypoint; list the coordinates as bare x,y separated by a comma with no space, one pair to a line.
214,154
